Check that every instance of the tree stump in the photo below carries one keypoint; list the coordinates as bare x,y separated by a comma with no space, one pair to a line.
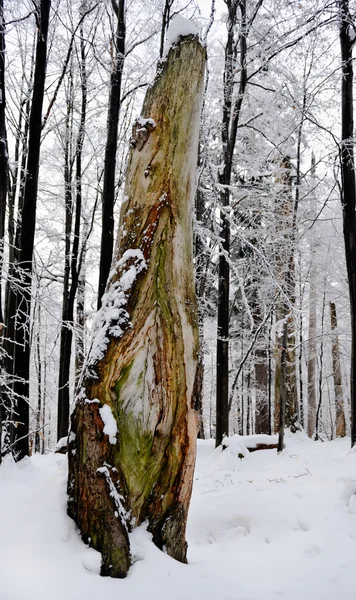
132,442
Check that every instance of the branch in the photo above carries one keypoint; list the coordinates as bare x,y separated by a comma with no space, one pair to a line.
140,85
115,7
66,62
19,20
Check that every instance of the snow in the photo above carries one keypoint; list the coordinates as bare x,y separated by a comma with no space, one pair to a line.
144,122
110,426
112,318
179,26
265,526
118,499
61,443
239,444
351,33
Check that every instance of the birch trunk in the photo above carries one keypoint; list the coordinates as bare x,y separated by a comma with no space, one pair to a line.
133,432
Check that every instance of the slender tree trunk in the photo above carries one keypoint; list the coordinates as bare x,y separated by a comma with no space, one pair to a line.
312,359
261,374
348,191
39,388
300,352
4,159
72,266
107,231
22,347
4,182
166,16
282,387
285,275
339,399
231,115
80,321
321,366
133,432
312,330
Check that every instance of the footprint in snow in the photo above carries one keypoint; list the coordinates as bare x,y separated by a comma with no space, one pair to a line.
301,525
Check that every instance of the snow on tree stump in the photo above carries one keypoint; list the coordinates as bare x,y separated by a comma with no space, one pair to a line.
132,443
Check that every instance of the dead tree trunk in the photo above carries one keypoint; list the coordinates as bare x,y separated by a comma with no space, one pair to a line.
339,400
134,427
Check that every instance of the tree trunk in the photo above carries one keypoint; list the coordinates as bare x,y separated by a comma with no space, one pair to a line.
72,266
262,417
107,230
312,327
133,432
339,400
4,158
231,116
312,357
282,387
348,190
28,223
285,271
4,181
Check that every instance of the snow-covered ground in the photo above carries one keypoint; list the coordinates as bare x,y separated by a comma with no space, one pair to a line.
262,527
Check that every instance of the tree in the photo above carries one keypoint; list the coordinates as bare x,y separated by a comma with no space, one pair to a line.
27,235
134,427
72,251
108,197
230,120
339,400
348,187
4,183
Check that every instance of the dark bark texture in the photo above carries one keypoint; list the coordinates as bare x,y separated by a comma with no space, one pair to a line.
26,245
348,191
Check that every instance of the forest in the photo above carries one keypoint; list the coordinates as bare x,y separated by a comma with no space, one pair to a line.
178,271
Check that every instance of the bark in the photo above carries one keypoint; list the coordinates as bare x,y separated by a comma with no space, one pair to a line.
143,366
24,273
348,190
107,222
339,399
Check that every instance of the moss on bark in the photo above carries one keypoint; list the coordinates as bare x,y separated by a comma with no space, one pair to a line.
148,374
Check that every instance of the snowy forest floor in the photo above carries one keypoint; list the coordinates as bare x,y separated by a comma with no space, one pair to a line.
265,526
